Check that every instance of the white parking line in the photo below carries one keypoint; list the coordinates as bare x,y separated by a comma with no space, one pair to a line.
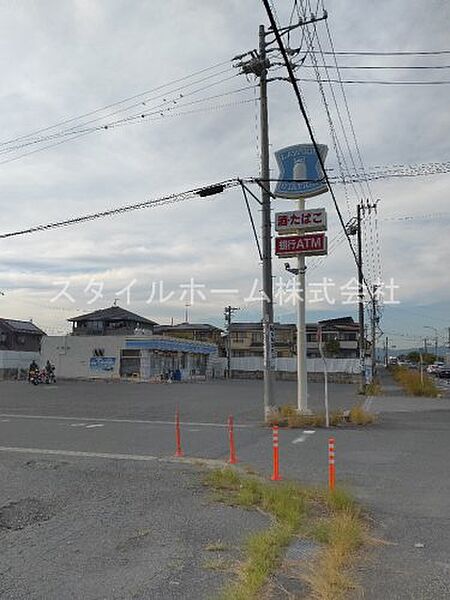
78,453
94,425
305,434
137,421
301,438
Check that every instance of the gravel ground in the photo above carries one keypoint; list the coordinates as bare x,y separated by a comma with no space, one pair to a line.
105,529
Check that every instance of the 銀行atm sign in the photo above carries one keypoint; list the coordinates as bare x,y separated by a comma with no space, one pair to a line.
292,221
293,245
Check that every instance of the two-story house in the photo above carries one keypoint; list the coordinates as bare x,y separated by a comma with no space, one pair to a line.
111,321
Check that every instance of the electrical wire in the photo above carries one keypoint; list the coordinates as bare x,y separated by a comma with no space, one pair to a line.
170,199
376,81
120,102
308,126
381,67
157,118
162,106
389,53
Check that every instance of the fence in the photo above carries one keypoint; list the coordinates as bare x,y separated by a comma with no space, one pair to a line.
339,369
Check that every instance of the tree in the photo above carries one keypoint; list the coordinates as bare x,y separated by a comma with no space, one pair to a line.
413,356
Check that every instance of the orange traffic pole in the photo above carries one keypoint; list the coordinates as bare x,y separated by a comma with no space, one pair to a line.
233,458
276,457
178,452
331,464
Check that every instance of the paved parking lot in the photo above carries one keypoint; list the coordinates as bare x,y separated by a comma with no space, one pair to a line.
108,445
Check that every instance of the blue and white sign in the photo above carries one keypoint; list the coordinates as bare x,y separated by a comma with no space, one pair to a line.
102,364
301,175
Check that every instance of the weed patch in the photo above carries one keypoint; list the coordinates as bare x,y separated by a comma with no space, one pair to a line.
329,518
413,383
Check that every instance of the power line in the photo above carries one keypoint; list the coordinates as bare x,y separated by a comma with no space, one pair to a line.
389,53
203,191
159,118
308,126
382,67
119,102
376,81
159,109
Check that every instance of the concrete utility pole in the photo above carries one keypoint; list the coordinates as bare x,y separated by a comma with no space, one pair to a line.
386,352
425,345
374,328
354,228
362,343
436,339
267,301
258,64
229,310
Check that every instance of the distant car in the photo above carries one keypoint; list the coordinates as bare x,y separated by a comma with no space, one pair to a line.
443,373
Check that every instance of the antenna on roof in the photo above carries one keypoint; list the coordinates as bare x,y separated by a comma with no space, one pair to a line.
116,300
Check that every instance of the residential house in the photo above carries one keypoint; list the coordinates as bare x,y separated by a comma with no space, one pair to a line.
111,321
340,338
20,343
200,332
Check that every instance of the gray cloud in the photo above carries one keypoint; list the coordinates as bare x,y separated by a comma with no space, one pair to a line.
63,59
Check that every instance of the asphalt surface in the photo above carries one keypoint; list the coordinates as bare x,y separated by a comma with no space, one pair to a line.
206,401
397,468
105,529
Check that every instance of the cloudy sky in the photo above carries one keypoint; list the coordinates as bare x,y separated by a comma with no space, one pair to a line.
64,59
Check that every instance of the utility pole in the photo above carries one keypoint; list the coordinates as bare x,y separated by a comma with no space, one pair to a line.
386,352
229,310
362,341
425,345
267,301
354,228
258,64
374,328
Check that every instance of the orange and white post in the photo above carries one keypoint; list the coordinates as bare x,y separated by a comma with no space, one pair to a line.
233,457
331,464
276,456
178,452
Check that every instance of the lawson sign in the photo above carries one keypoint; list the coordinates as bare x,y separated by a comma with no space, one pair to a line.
301,175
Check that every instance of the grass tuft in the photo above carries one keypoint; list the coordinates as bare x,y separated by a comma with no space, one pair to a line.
360,416
288,416
373,388
339,528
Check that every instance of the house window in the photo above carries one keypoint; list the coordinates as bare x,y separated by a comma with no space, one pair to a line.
238,337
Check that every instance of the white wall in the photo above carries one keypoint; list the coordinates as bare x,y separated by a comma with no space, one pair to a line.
71,355
10,359
314,365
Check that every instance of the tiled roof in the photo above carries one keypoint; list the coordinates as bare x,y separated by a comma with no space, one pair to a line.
113,313
188,327
22,326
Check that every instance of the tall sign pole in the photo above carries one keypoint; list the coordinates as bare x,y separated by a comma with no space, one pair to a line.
300,177
302,373
267,296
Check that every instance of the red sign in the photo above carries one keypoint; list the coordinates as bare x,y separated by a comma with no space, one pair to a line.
295,221
292,245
